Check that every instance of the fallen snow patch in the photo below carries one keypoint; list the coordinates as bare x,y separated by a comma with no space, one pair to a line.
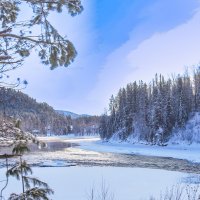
75,183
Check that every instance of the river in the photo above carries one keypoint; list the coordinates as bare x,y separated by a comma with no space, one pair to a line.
74,172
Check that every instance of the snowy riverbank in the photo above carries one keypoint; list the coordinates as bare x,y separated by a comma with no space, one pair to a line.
93,143
184,151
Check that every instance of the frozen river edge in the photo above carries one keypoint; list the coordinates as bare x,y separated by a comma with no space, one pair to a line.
91,151
79,164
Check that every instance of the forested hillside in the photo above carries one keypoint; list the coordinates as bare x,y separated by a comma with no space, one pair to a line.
152,112
41,118
71,114
35,117
86,125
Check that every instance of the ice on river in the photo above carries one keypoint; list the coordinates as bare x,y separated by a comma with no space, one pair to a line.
179,151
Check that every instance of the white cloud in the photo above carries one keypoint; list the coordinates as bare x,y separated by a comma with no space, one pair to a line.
166,53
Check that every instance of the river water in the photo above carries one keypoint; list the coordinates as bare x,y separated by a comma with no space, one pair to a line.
61,152
73,172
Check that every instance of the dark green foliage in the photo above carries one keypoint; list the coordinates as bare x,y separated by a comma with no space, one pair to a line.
33,194
34,181
19,38
15,171
104,127
20,148
32,188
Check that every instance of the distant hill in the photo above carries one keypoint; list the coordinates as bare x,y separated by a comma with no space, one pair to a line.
35,117
71,114
40,118
82,124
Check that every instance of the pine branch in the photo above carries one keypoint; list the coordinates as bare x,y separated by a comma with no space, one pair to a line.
33,194
15,171
35,182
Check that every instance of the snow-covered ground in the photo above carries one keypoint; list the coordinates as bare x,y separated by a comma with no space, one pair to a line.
75,183
184,151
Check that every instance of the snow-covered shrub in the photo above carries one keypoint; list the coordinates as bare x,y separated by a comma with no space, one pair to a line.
9,132
180,192
190,133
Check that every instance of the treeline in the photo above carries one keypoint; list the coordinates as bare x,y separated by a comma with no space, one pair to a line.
35,117
150,112
40,118
86,125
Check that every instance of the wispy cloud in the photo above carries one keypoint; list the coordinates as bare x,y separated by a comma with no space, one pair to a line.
163,37
166,52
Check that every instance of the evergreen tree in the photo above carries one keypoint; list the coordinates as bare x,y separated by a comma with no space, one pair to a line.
151,112
32,188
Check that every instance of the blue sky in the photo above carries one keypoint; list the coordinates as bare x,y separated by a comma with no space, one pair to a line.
117,42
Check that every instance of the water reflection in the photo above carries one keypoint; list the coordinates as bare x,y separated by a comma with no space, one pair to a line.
53,146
